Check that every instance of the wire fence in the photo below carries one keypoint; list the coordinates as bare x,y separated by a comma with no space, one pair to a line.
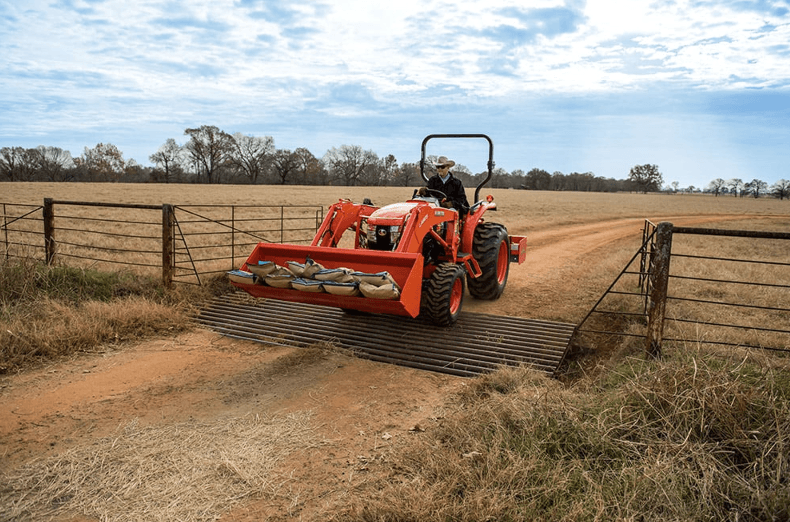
727,288
206,237
182,242
22,231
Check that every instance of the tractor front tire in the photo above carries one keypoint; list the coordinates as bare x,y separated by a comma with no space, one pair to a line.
491,249
443,294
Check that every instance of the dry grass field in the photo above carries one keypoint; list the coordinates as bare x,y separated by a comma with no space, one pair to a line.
134,413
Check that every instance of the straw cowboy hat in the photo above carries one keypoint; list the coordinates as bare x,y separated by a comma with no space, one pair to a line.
443,162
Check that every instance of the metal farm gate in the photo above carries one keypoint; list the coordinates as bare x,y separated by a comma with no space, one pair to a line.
728,288
182,242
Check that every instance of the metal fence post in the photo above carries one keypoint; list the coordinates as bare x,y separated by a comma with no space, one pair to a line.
49,230
659,275
168,254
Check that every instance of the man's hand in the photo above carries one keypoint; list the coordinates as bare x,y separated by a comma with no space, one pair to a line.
423,191
447,203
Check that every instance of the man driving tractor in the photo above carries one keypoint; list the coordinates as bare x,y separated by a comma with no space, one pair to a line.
448,184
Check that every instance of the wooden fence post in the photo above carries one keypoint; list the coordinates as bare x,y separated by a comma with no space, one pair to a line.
167,245
659,275
49,230
5,232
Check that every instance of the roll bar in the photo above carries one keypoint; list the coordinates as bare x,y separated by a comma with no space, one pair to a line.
490,156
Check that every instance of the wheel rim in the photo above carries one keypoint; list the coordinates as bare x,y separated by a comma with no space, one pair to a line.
456,295
502,262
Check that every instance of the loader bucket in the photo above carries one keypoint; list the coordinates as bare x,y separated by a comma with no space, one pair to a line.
405,269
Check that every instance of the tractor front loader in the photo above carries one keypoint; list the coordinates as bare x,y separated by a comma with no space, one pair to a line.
408,258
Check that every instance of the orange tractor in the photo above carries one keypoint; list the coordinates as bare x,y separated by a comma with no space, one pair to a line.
408,258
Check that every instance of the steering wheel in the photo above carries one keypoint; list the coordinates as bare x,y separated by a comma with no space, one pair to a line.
438,194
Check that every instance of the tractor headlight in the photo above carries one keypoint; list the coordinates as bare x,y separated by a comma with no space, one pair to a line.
394,234
372,233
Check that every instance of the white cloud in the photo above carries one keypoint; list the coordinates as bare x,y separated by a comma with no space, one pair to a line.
88,67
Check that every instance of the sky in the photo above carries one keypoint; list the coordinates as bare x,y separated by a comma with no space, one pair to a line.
700,88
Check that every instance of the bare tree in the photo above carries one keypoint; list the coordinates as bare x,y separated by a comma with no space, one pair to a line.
17,164
210,150
716,185
104,162
407,174
756,187
736,186
252,155
387,169
168,159
781,189
285,166
53,163
311,169
349,163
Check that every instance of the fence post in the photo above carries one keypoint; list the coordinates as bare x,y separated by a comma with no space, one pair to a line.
5,231
659,275
167,245
49,230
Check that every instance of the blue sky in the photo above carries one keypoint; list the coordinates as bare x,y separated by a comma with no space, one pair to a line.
699,87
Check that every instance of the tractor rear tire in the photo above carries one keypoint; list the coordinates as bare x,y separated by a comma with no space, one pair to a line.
443,294
491,249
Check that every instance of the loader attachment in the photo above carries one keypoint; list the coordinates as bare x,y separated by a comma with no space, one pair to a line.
405,268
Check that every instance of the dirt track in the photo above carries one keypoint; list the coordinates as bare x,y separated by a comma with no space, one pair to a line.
360,408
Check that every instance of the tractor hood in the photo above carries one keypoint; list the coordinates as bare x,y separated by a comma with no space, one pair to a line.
395,213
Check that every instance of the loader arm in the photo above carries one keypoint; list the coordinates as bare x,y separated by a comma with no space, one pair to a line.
340,217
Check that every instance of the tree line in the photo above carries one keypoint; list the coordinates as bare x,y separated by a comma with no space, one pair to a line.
755,188
211,155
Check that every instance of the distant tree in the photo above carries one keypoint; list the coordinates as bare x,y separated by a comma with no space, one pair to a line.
311,169
499,178
348,163
168,160
537,179
461,172
389,169
104,162
557,180
133,172
17,164
52,163
253,155
520,179
406,174
285,166
210,150
675,185
781,189
646,177
736,186
716,186
756,187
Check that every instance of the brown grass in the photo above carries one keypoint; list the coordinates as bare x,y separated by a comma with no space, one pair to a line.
190,471
47,313
698,436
